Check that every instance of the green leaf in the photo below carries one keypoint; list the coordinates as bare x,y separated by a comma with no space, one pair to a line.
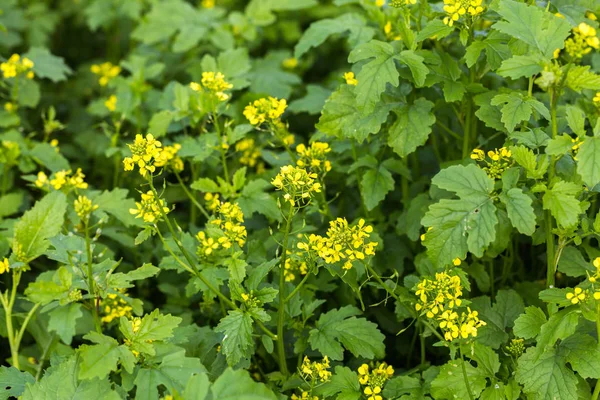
45,65
528,160
206,185
573,264
63,321
509,306
28,93
520,211
401,385
529,324
153,326
450,383
319,31
583,353
121,280
200,148
343,381
412,127
435,27
342,118
236,267
579,78
519,66
13,381
516,108
340,327
117,204
47,155
267,76
254,199
37,225
486,358
60,382
173,373
576,119
237,385
562,203
588,161
559,146
560,325
237,343
159,123
374,186
546,377
458,226
10,204
49,287
313,102
375,75
101,359
531,24
414,62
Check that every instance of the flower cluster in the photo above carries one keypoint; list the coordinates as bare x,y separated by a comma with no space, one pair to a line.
111,103
105,71
314,157
113,307
436,296
84,207
4,266
250,152
294,265
400,3
16,66
65,179
350,79
145,152
582,42
596,99
214,83
304,396
315,371
168,157
374,380
229,220
457,8
499,161
463,325
265,110
343,243
290,63
212,201
578,295
150,209
516,347
297,184
9,152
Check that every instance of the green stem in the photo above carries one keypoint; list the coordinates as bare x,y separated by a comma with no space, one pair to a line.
42,360
91,282
24,325
466,150
281,311
597,388
297,288
464,371
5,171
550,246
431,328
378,279
8,308
191,196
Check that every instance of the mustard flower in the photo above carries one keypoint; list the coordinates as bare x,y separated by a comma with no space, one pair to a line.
374,380
318,371
577,295
350,79
84,207
106,72
10,107
4,266
314,157
214,83
250,152
111,103
265,110
114,307
149,208
16,66
290,63
582,42
145,151
499,161
436,296
168,158
62,180
458,8
297,184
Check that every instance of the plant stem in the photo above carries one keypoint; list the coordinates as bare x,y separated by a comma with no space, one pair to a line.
191,196
8,304
4,180
550,247
91,282
597,388
297,288
281,312
466,150
464,371
378,279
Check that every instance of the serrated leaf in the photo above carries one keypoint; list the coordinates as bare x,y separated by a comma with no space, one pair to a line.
560,325
583,353
414,62
117,204
450,383
520,211
237,385
576,119
99,360
562,203
13,382
375,185
580,77
434,28
529,324
254,199
237,343
37,225
412,127
546,377
206,185
345,382
573,264
521,66
63,321
559,145
46,65
516,108
47,155
588,161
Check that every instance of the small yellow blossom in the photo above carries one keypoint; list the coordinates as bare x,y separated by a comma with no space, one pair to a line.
297,184
582,42
577,295
290,63
17,66
374,380
114,307
212,201
314,157
304,396
350,79
84,207
436,296
458,8
168,158
106,72
145,151
64,179
316,370
150,209
4,266
379,3
250,152
42,179
207,4
10,107
111,103
265,110
214,83
500,161
596,99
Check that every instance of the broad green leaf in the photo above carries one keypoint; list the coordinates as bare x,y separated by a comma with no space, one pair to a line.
458,226
583,353
412,127
47,156
37,225
236,267
159,123
237,343
519,66
450,383
13,382
546,377
527,159
199,148
99,360
206,185
340,327
560,325
117,204
509,306
588,161
121,280
486,358
254,199
573,264
414,62
10,204
580,77
153,326
52,286
313,102
63,321
516,108
529,324
520,211
237,385
342,118
46,65
559,145
345,382
562,202
319,31
374,186
434,29
531,24
576,119
197,387
267,76
404,385
28,93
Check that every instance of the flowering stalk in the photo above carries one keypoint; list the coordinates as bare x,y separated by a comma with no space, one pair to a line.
281,312
191,196
550,247
91,281
464,371
597,388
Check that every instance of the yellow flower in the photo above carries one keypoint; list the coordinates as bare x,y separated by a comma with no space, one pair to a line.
114,307
250,152
64,179
457,261
17,66
213,82
106,72
501,160
379,3
207,4
150,209
577,295
350,79
290,63
84,207
374,380
145,151
316,370
297,184
314,157
582,42
436,296
111,102
10,107
4,266
458,8
168,158
265,110
596,99
42,179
